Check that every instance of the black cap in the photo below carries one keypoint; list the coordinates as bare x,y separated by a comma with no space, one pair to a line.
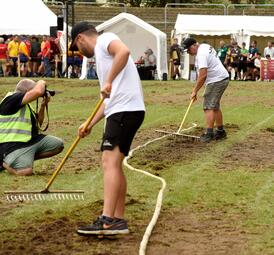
76,30
188,42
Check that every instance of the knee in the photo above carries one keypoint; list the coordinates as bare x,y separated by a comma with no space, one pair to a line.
18,172
60,147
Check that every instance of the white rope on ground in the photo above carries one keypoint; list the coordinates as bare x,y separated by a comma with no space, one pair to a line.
143,245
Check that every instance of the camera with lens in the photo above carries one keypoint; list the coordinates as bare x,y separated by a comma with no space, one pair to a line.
49,92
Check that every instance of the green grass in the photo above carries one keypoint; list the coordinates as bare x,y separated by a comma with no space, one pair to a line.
197,184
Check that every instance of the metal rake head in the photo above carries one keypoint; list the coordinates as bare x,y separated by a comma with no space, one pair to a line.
176,134
49,196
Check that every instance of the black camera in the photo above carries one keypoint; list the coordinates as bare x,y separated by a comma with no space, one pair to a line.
49,92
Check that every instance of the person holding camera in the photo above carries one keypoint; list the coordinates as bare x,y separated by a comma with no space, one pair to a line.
20,139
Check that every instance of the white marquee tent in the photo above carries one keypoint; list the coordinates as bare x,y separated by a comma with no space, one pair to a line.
239,27
29,17
138,36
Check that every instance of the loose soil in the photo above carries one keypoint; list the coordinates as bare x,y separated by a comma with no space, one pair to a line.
255,153
177,231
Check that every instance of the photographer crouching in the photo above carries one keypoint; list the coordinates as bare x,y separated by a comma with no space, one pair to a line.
20,140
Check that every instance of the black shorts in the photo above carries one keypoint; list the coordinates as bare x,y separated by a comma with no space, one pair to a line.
120,130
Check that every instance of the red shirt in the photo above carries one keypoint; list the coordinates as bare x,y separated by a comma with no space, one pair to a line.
46,49
27,42
3,51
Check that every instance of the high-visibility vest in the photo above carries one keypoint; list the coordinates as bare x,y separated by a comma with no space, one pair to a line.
16,127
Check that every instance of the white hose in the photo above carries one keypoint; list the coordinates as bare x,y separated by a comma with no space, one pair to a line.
143,245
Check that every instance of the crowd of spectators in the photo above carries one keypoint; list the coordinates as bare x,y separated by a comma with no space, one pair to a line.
244,63
35,56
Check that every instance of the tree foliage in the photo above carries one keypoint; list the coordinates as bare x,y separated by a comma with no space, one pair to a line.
162,3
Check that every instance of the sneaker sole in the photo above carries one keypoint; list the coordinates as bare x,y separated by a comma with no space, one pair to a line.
220,138
104,232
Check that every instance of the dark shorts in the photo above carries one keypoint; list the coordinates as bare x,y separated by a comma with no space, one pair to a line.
120,130
243,67
213,94
176,62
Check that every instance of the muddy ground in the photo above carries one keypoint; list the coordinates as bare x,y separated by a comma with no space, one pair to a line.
177,231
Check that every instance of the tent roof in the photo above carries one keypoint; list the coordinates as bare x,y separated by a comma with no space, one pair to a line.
224,25
133,19
31,17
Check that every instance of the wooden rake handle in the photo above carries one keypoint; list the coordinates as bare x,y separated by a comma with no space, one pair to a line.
183,121
72,147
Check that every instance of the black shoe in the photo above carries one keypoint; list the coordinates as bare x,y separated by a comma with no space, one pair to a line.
220,134
207,137
104,226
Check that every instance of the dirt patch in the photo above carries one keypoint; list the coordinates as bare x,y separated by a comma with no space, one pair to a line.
183,232
175,99
256,152
177,232
172,149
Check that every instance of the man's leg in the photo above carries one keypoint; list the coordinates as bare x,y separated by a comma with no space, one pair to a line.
48,154
114,182
19,162
120,205
18,172
48,147
218,117
210,118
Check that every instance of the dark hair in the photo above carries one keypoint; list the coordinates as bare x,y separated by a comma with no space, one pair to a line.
90,31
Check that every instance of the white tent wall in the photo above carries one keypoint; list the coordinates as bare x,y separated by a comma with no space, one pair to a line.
138,36
242,28
29,17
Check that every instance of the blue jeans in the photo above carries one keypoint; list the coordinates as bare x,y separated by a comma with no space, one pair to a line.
47,67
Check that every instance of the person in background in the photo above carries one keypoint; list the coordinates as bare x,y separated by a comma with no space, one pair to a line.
41,68
269,50
20,140
149,64
46,55
233,54
34,55
175,54
75,60
257,66
213,74
222,51
3,56
251,58
13,49
24,55
243,63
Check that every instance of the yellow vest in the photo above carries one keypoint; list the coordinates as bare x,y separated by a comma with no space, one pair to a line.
16,127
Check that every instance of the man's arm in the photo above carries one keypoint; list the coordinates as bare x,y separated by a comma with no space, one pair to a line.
200,82
41,113
37,91
98,116
120,54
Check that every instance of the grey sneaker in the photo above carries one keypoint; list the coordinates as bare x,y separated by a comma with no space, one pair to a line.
220,134
103,226
207,137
